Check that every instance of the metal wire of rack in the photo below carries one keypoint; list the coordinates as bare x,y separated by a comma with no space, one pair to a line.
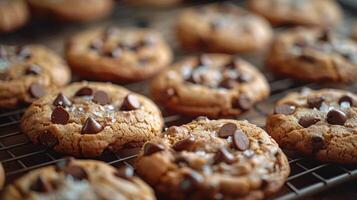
18,155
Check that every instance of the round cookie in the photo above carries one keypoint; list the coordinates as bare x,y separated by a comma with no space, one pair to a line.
222,28
321,124
156,3
118,54
28,72
212,85
314,55
217,159
69,10
79,179
86,118
13,14
319,13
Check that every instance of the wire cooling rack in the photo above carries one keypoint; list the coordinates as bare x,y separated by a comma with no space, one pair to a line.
18,155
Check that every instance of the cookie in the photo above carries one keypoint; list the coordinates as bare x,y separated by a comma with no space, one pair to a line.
118,54
156,3
321,124
212,85
13,14
69,10
314,55
317,13
28,73
79,179
222,28
213,159
86,118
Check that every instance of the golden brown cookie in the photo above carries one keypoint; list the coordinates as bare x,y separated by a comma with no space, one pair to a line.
86,118
28,73
222,28
81,180
213,159
213,85
321,124
118,54
13,14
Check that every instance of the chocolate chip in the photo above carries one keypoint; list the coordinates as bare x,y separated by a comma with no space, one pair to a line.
77,172
41,185
91,126
185,144
336,117
347,99
60,116
101,97
227,130
227,83
37,90
151,148
115,53
284,109
191,181
33,69
240,140
317,142
62,164
48,139
243,102
223,155
325,36
315,102
124,172
62,100
307,121
84,91
131,102
232,64
96,44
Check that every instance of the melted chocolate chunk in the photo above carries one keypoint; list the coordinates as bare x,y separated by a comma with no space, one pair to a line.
227,130
62,100
77,172
60,116
101,97
223,155
131,102
37,90
124,172
284,109
240,140
41,185
243,102
347,99
33,69
317,142
91,126
84,91
336,117
191,181
151,148
185,144
48,139
315,102
307,121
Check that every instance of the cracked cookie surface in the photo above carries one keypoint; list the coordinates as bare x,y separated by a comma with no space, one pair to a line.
79,179
215,28
86,118
321,124
14,14
314,55
28,72
213,159
320,13
118,54
211,85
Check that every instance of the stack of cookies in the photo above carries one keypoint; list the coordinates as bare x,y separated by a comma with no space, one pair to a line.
217,158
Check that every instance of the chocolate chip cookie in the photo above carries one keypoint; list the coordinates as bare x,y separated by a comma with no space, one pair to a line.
211,84
69,10
222,28
28,73
213,159
86,118
79,179
321,124
13,14
314,55
118,54
319,13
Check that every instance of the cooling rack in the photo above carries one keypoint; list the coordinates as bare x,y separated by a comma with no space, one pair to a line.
18,155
